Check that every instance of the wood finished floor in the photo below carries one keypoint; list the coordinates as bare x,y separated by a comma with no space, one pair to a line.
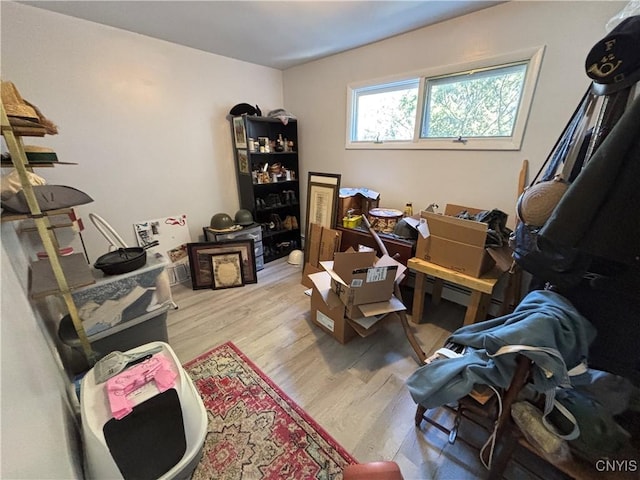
356,392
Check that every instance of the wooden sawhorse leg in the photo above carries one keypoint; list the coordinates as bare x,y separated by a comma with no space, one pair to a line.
478,307
418,297
417,309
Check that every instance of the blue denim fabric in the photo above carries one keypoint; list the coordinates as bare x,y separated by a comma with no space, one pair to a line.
543,319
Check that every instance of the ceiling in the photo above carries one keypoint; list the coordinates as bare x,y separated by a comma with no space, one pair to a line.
278,34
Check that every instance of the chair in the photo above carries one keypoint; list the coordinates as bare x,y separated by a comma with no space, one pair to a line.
505,437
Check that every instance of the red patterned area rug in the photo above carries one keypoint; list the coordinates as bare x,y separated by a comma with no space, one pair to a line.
255,430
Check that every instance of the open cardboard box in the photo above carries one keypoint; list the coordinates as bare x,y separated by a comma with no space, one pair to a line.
322,243
329,313
371,310
455,243
359,277
369,325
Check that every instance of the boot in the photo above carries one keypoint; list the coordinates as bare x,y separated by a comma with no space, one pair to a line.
294,223
287,224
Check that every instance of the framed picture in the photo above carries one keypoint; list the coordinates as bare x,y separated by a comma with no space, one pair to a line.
227,270
200,262
243,162
322,199
239,133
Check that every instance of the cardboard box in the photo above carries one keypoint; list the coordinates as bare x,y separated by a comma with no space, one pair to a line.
372,310
331,318
359,277
320,246
366,329
307,271
455,243
328,311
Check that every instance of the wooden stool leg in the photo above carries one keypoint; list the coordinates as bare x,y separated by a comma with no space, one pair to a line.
505,439
478,307
502,455
412,339
418,298
436,293
420,411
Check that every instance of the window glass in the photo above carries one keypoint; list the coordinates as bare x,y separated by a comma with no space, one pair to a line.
474,103
385,112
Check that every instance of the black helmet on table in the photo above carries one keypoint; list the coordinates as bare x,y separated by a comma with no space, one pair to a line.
244,217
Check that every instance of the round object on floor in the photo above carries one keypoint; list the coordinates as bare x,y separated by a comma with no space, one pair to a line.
295,257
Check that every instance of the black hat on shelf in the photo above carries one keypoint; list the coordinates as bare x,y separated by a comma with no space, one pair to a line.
245,108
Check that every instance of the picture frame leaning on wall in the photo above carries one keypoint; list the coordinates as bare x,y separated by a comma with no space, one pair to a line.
200,262
322,198
226,270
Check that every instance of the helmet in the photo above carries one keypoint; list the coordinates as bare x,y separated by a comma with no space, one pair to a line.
295,257
221,222
244,217
404,230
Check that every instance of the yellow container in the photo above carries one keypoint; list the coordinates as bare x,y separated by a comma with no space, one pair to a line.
352,222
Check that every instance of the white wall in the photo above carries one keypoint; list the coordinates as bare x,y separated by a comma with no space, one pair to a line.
38,435
146,122
144,119
316,93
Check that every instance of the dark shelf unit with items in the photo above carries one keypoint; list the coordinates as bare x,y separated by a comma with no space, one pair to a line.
267,169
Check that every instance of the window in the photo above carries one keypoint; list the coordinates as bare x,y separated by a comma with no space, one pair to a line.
473,104
480,105
385,112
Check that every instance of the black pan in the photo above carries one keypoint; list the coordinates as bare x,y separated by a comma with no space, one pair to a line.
123,260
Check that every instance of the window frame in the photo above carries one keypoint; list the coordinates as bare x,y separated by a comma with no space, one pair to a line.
531,55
